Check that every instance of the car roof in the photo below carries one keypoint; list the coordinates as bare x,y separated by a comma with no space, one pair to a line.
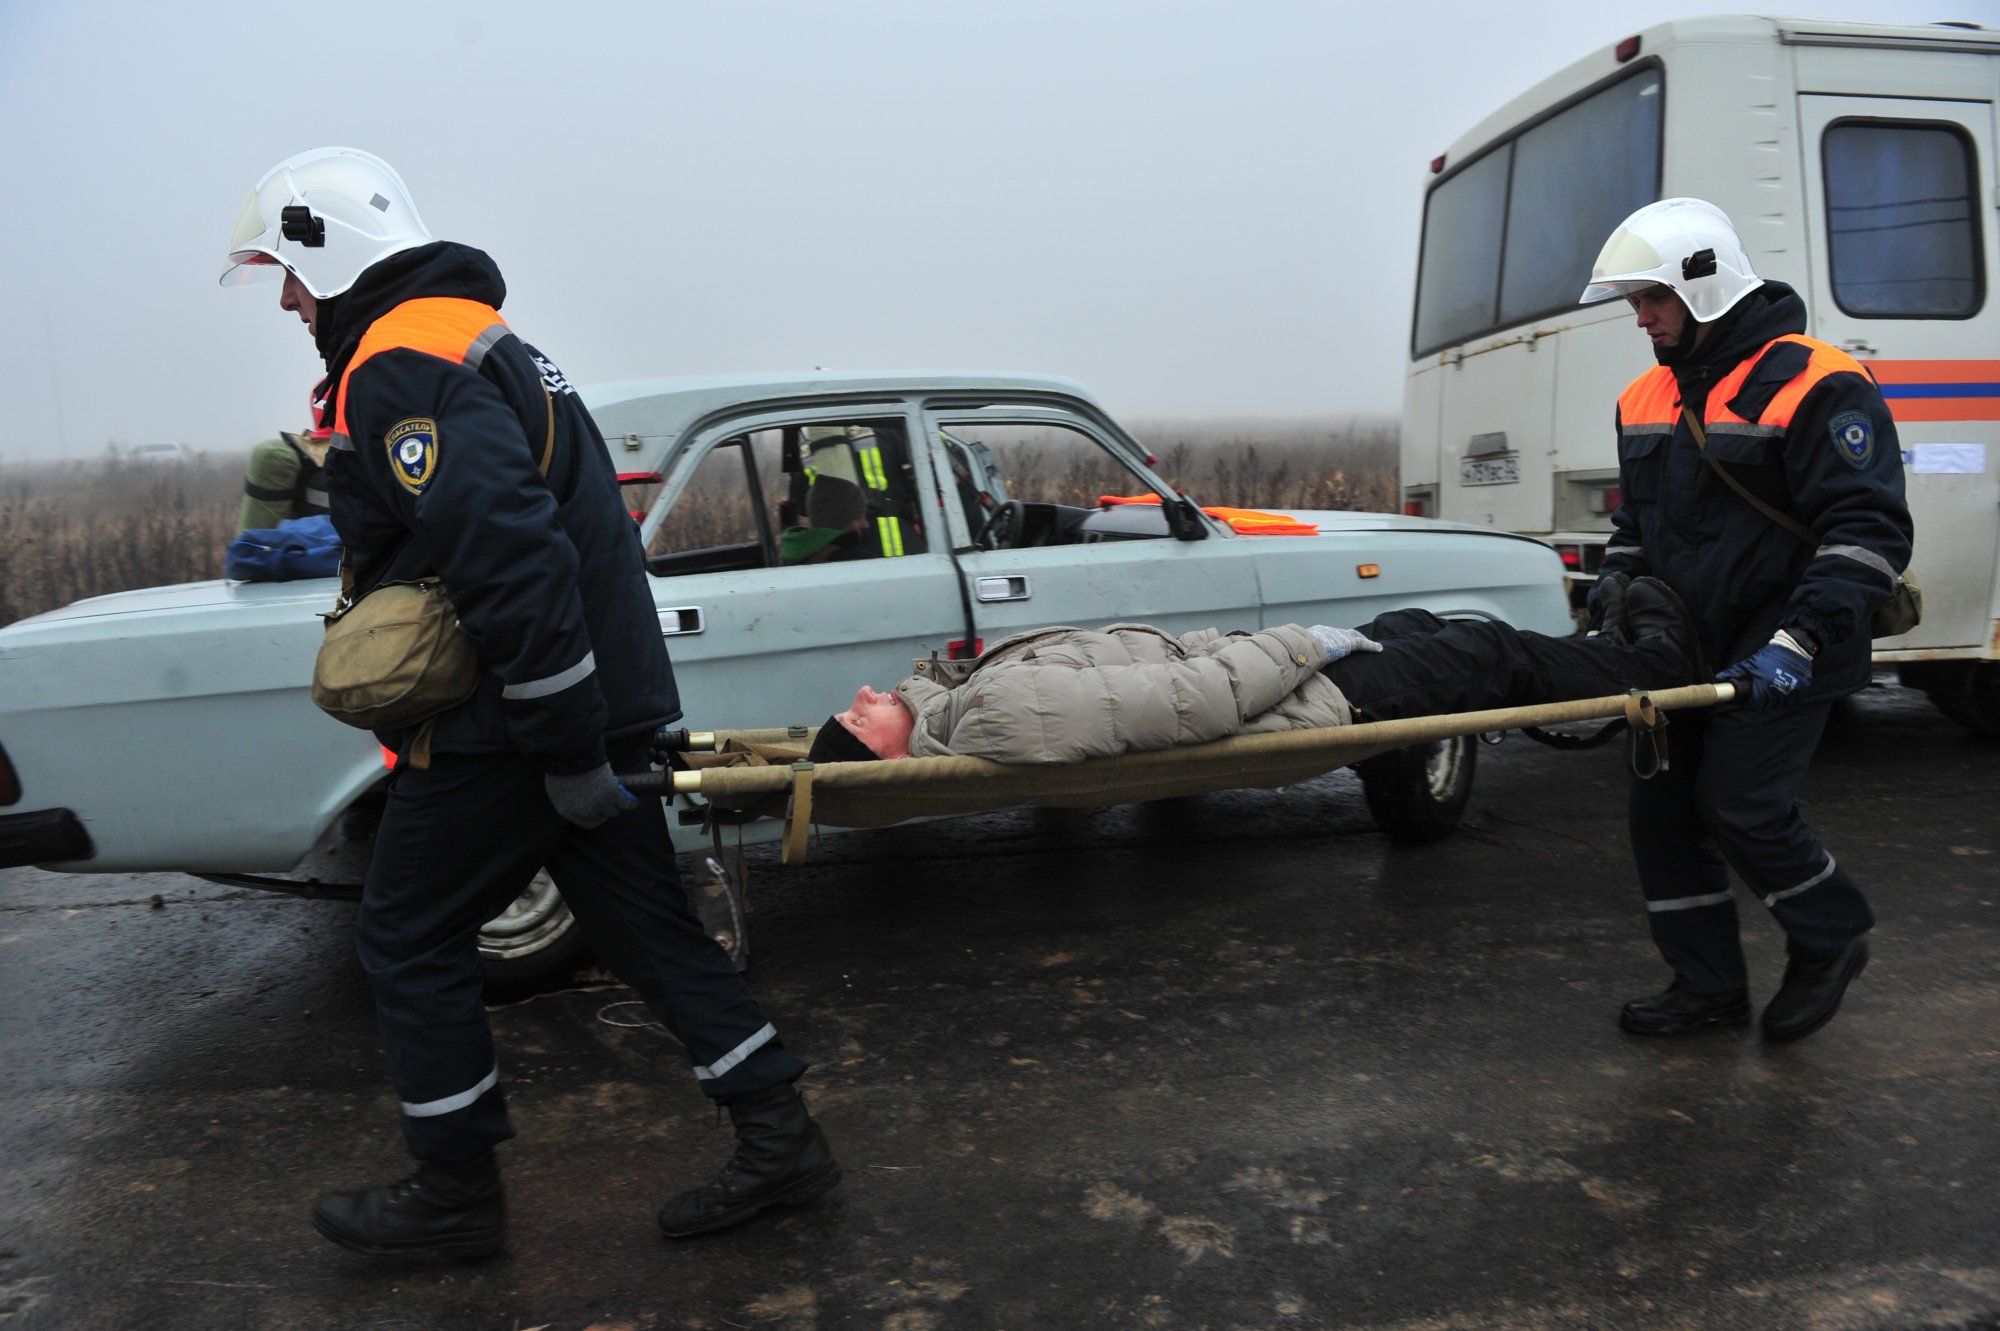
657,408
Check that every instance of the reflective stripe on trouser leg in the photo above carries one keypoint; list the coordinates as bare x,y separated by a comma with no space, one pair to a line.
1682,871
621,883
463,1100
457,843
1747,788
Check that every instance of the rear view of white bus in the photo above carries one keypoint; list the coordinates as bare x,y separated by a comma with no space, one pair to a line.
1857,161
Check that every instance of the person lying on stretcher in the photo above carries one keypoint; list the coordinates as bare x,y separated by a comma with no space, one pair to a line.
1061,695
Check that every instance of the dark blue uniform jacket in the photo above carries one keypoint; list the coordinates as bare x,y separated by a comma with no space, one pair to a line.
443,422
1807,431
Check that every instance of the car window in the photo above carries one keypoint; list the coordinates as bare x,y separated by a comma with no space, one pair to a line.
815,492
1059,475
716,521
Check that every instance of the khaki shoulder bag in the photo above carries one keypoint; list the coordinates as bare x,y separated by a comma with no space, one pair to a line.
397,656
1899,614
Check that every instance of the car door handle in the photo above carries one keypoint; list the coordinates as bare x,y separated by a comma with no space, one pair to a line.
681,620
1012,587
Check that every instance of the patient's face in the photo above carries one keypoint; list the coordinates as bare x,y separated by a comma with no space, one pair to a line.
880,721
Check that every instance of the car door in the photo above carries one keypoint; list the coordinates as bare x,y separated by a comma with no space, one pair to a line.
757,641
1083,563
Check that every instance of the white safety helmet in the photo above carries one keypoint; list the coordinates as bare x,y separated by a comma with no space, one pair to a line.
1687,244
324,216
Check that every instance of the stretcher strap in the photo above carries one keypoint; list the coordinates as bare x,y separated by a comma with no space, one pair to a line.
798,815
1646,737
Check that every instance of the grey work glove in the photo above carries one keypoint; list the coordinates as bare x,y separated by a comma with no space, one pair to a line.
589,798
1340,642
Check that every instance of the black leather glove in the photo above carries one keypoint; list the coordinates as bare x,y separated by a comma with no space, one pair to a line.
590,798
1607,605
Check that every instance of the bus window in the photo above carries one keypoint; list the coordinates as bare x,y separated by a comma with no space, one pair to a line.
1903,234
1462,220
1576,177
1552,192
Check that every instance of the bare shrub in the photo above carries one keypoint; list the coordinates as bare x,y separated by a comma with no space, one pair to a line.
1262,464
78,529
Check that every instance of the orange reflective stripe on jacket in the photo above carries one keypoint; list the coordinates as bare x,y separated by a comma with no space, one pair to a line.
459,331
1652,401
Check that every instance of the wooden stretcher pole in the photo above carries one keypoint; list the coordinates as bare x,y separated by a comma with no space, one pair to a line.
1340,745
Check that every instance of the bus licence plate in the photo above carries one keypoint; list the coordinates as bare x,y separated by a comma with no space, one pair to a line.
1489,471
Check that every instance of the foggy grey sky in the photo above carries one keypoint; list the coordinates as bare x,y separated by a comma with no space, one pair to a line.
1199,209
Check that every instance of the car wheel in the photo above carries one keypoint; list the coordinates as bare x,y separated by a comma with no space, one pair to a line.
533,944
1419,793
1966,691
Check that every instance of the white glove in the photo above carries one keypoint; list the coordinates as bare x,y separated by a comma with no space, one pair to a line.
1339,642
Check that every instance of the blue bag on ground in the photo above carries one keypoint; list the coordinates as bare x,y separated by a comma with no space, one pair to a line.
295,548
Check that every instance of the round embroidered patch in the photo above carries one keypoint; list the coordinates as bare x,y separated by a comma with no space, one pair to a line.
1853,436
413,452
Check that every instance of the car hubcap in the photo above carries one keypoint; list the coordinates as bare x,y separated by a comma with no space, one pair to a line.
1442,767
530,923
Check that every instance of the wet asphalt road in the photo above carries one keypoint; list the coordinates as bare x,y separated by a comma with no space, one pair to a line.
1234,1062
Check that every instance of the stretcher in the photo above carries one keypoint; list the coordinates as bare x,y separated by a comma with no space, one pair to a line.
745,774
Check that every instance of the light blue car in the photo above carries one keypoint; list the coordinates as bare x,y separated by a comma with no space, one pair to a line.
806,534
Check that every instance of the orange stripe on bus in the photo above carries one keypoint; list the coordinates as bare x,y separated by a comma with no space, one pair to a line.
1935,371
1945,408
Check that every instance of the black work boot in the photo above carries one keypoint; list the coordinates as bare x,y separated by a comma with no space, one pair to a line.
1676,1011
1650,610
1812,992
781,1159
442,1210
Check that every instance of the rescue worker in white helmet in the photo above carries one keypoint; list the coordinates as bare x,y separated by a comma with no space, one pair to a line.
460,450
1744,431
285,476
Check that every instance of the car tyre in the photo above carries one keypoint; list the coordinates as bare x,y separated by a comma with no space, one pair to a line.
534,944
1966,691
1418,793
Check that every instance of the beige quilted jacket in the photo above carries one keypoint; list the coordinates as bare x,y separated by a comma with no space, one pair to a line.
1060,695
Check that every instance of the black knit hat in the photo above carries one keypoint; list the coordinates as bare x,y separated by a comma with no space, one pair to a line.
835,743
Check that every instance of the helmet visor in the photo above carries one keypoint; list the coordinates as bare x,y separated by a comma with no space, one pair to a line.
247,267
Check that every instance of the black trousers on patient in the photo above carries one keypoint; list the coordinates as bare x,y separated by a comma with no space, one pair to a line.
1429,666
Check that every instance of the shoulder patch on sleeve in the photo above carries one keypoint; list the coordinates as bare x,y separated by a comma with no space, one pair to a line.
1854,435
413,452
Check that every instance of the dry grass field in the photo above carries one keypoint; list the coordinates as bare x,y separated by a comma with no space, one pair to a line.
76,529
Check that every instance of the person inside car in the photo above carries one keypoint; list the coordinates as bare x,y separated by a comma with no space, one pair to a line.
1063,695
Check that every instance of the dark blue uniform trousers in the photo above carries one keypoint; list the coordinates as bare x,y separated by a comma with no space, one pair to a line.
457,843
1727,798
1728,801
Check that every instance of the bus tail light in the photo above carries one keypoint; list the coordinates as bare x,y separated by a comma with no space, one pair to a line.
1626,49
1606,500
1419,504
